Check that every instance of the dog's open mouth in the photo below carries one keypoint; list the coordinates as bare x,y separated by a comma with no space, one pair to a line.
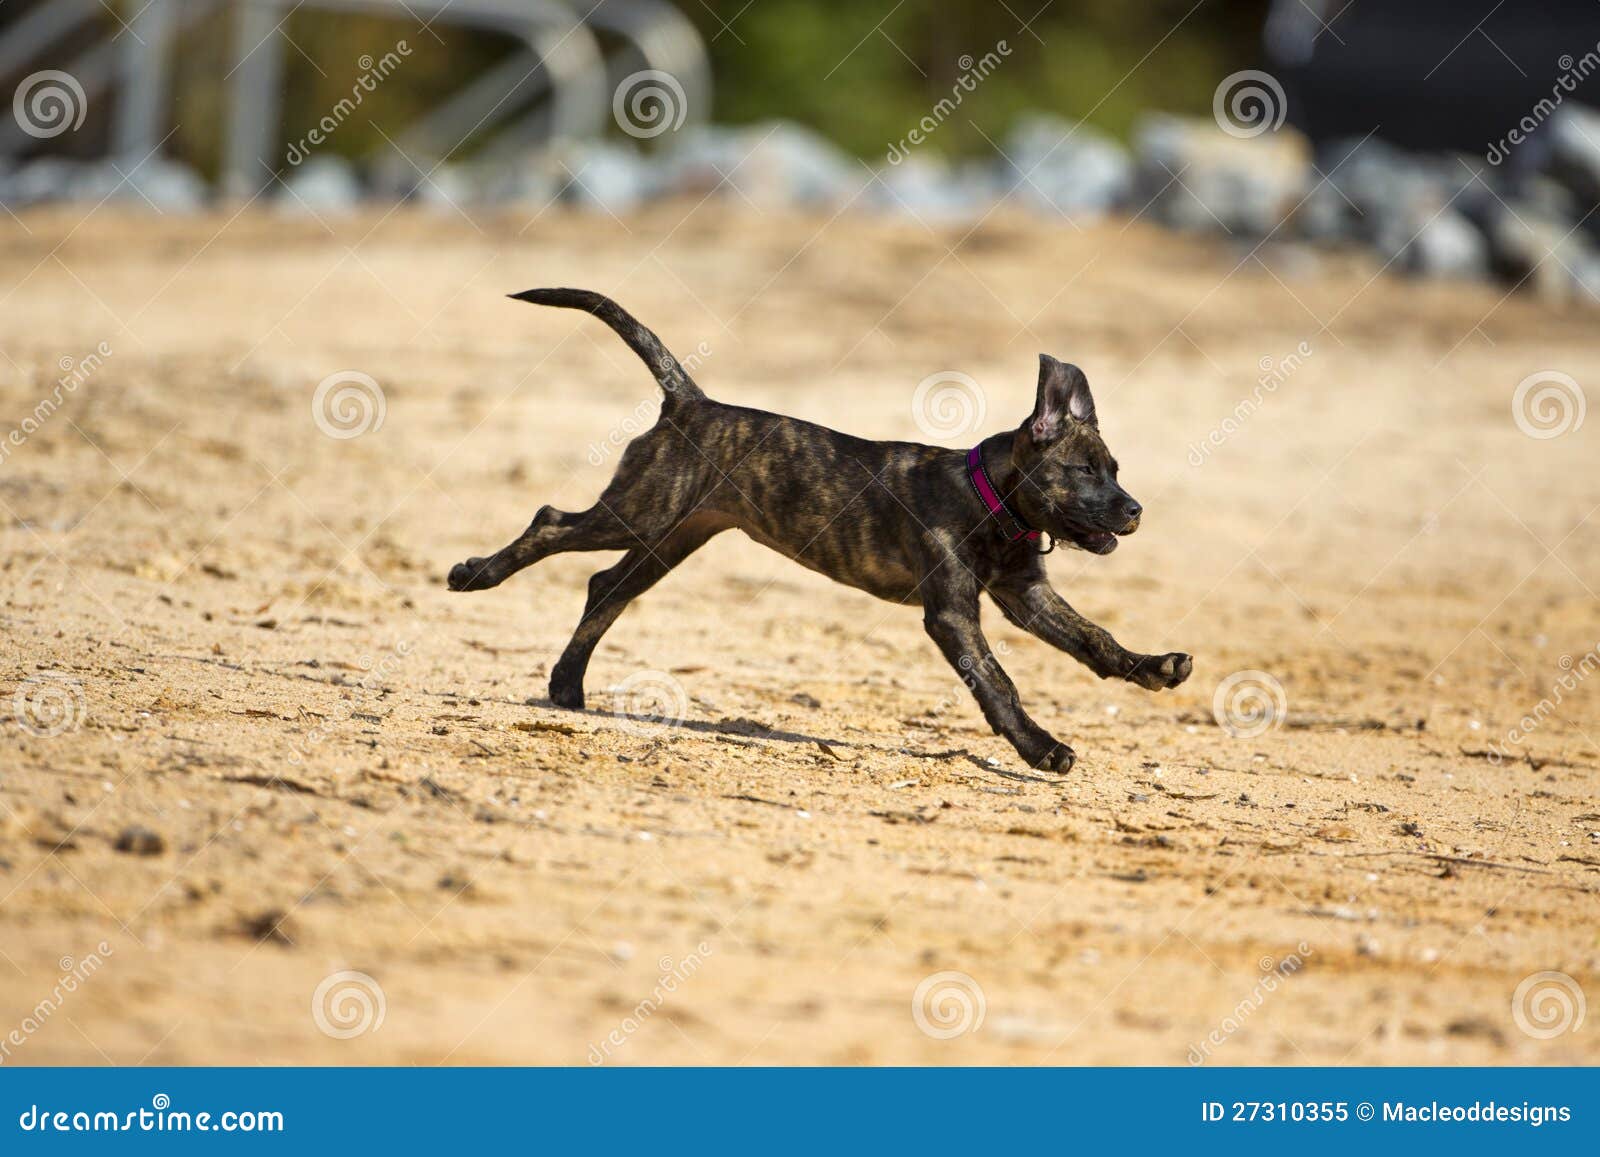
1094,541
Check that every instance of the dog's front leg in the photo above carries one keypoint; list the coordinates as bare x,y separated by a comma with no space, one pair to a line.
954,626
1035,606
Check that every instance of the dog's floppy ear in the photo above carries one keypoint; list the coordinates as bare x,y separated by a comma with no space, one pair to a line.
1063,393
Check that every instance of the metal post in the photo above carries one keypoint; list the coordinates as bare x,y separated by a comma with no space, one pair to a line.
253,115
136,129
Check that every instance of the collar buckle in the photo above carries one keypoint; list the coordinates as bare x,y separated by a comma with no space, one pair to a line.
984,487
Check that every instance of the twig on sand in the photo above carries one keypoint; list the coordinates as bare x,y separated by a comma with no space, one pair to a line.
1527,757
1438,857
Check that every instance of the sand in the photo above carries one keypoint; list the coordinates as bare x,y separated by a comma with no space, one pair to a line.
253,746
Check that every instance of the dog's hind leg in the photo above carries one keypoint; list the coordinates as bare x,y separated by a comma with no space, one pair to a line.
617,524
655,487
548,528
610,592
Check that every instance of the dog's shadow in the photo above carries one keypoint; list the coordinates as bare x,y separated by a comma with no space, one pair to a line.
737,728
750,729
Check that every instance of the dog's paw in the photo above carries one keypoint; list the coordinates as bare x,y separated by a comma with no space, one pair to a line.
569,695
1162,672
1050,756
472,575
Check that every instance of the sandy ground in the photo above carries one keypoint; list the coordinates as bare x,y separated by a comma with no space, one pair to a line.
229,650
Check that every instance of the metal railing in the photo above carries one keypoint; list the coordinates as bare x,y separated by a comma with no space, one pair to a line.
557,86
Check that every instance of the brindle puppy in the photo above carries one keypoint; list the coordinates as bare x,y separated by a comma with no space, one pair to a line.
905,522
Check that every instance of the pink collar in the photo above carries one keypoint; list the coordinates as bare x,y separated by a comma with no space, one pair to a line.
987,494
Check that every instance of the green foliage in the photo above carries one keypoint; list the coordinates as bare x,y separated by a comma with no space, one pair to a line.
864,80
843,67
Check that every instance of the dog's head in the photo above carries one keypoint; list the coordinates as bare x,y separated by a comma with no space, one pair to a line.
1068,485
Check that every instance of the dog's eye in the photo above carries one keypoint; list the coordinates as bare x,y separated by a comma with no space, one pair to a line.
1082,469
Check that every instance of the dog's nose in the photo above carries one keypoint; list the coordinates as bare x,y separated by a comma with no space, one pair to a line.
1131,513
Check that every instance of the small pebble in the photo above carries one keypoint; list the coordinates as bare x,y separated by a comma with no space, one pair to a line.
140,841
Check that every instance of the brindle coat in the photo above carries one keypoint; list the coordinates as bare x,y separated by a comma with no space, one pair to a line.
898,520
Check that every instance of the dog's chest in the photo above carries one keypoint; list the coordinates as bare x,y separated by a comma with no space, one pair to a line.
869,570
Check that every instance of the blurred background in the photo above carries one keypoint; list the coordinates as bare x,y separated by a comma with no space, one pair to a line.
1330,265
1453,138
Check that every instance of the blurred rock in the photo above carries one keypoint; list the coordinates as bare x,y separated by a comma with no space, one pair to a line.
168,185
1441,244
1425,215
1288,260
1575,150
448,187
97,181
321,184
1586,279
771,165
931,190
47,179
525,182
1067,167
1192,175
138,840
1537,253
603,176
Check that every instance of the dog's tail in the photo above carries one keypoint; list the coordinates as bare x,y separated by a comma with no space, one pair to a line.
673,378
